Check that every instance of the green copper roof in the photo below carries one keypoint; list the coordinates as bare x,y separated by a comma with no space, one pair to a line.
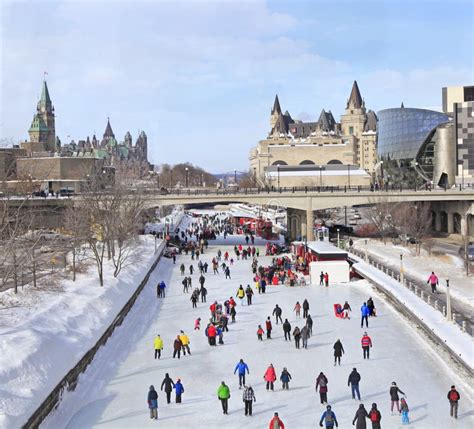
101,153
38,124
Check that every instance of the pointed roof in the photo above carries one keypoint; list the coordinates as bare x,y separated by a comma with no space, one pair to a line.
276,106
402,106
45,93
371,121
326,121
355,98
108,130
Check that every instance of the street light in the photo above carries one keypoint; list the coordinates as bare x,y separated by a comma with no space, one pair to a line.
402,275
171,178
366,257
320,176
416,175
338,242
235,177
278,174
381,171
187,177
448,302
349,176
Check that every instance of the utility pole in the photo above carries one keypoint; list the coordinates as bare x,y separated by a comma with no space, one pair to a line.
402,274
448,302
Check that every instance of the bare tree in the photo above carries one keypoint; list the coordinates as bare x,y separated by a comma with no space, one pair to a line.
381,217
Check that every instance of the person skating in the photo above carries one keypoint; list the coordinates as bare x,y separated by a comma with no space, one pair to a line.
322,382
321,279
364,313
177,346
276,422
305,308
404,409
394,398
153,403
277,313
338,352
162,289
168,384
287,330
233,313
241,294
297,309
248,397
260,333
375,417
194,299
326,279
182,269
353,381
242,368
309,325
297,337
304,336
202,280
285,378
185,342
329,418
158,346
158,290
268,327
371,305
249,293
366,343
360,417
433,281
227,272
223,394
178,390
211,333
270,377
453,398
185,285
203,293
197,324
191,269
346,308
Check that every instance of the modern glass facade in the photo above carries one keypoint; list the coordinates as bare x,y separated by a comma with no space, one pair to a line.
405,144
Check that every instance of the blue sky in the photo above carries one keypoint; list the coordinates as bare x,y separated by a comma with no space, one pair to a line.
200,77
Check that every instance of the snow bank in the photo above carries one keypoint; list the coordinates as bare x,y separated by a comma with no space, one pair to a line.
461,343
50,330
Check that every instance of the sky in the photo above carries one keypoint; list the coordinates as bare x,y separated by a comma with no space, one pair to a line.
200,77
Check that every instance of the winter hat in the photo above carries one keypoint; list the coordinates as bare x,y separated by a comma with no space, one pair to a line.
152,387
374,405
284,369
328,407
393,383
453,387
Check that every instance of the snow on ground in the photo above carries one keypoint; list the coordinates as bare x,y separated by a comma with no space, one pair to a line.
45,331
112,393
445,266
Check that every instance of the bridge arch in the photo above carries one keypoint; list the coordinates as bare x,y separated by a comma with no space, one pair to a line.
307,162
334,161
280,163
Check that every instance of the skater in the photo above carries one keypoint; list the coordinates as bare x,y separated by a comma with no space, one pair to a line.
179,390
242,368
285,378
223,394
260,333
227,272
305,308
322,382
338,352
162,289
276,423
326,279
185,342
329,418
194,298
233,313
185,285
158,290
197,324
364,312
211,334
268,326
287,330
404,410
203,293
366,343
433,281
394,399
370,304
158,346
360,416
248,397
168,384
297,337
304,336
453,398
375,417
353,381
270,377
309,325
182,268
240,294
153,403
321,279
346,308
177,346
297,309
277,313
202,280
249,293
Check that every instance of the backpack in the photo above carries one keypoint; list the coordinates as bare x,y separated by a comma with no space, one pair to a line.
374,416
453,396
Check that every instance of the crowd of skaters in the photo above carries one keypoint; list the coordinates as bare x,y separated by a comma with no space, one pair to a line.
218,323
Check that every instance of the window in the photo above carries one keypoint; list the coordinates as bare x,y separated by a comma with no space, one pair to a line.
351,130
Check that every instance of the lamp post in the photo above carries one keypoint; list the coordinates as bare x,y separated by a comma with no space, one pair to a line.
381,171
448,302
338,241
171,178
416,175
320,176
187,177
366,257
402,275
202,180
278,174
349,176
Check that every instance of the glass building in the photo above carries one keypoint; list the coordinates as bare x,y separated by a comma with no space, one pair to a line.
405,144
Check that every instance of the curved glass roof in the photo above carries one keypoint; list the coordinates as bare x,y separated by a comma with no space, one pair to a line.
402,131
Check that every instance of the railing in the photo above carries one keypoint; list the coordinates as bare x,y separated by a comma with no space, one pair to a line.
419,289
